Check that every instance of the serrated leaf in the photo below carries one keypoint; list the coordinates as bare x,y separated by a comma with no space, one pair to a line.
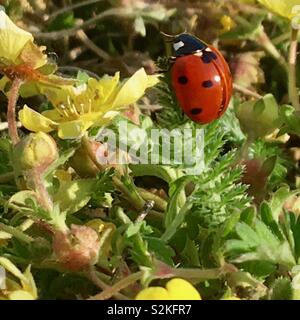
279,198
247,234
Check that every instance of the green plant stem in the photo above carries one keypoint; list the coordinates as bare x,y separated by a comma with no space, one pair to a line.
7,177
200,275
18,234
41,190
55,35
93,276
160,204
132,196
265,42
244,152
70,8
293,91
246,91
11,110
109,292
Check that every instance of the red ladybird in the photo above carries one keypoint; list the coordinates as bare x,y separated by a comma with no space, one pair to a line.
201,79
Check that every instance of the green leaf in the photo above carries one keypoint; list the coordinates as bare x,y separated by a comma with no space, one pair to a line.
136,228
63,21
267,218
279,198
248,215
177,199
291,122
282,290
162,251
257,119
260,269
74,195
247,234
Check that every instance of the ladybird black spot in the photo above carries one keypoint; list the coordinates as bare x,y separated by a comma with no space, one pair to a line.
183,80
207,84
196,111
208,57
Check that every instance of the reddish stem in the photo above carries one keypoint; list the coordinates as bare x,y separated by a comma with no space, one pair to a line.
11,110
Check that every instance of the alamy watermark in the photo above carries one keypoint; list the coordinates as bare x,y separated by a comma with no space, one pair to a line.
2,278
183,147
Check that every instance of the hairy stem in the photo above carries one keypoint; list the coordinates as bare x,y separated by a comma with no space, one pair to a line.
11,110
246,91
70,8
109,292
293,91
93,276
264,41
54,35
41,190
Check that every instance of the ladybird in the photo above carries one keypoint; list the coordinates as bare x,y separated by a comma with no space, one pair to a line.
201,79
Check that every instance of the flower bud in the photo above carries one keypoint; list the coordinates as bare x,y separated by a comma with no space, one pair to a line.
78,248
82,163
35,151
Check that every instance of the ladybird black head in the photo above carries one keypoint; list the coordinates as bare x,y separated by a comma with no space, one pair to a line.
185,44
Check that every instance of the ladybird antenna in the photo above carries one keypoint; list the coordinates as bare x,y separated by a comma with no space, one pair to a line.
168,37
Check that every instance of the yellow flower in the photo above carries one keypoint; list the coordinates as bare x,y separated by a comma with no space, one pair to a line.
176,289
227,24
283,8
17,46
91,104
105,231
25,289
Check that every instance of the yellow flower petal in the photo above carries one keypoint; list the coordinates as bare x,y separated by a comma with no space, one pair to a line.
133,89
20,295
176,289
105,231
72,129
63,175
33,56
105,88
180,289
4,84
54,115
29,285
9,266
152,80
153,293
12,39
34,121
283,8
